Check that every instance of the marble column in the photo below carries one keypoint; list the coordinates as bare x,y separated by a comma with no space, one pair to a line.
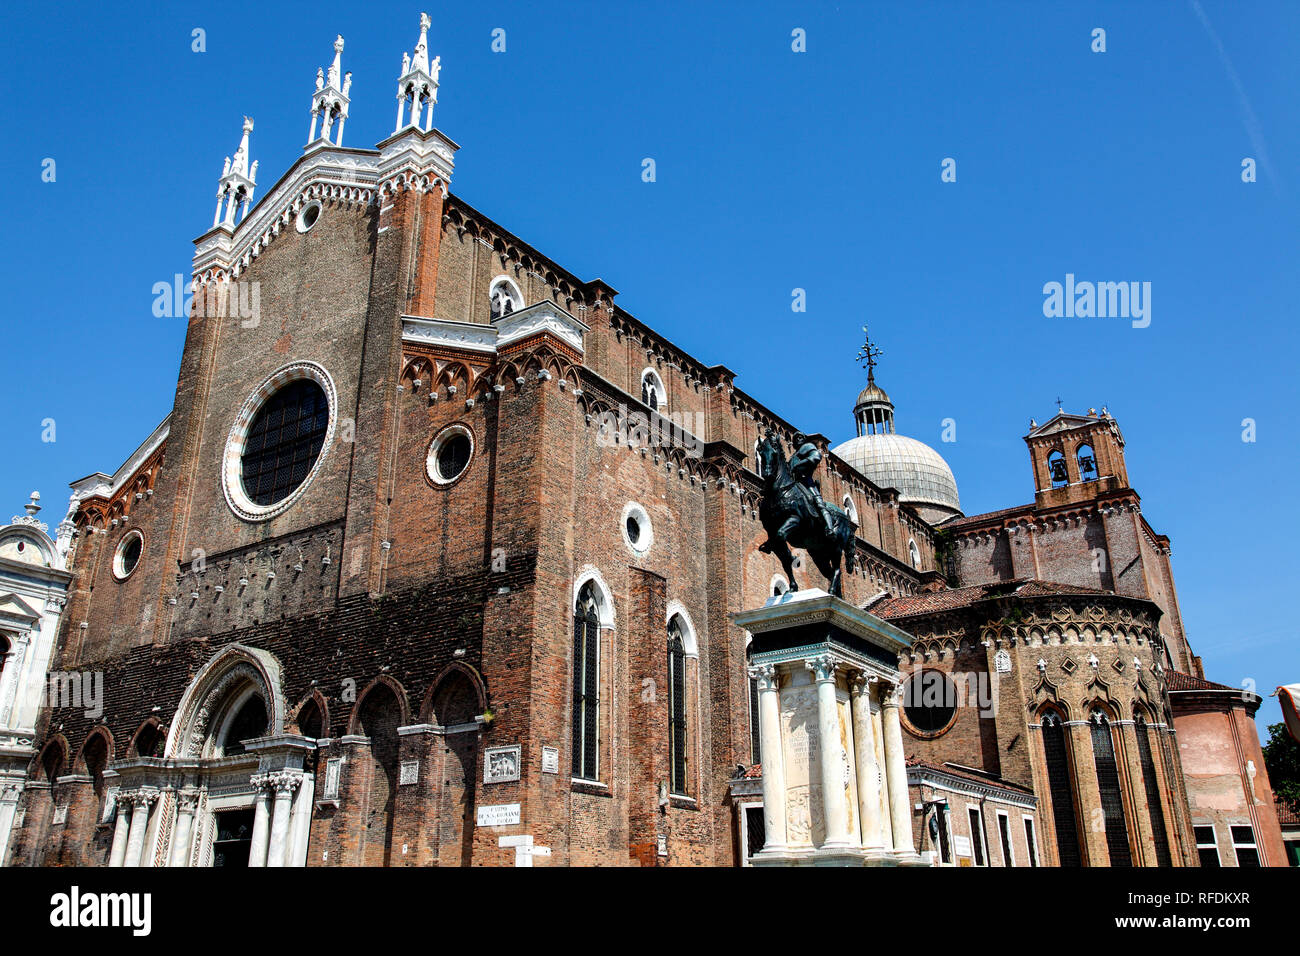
261,821
301,832
864,752
187,801
121,826
10,793
135,838
830,753
284,783
878,742
900,814
769,743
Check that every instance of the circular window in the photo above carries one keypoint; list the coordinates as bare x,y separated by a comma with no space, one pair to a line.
307,218
930,702
127,557
278,442
637,533
449,454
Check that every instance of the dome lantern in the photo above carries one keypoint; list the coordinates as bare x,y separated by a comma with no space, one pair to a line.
918,472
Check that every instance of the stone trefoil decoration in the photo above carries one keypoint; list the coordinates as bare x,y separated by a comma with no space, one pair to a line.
828,705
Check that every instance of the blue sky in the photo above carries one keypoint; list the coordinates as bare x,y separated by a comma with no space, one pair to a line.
775,170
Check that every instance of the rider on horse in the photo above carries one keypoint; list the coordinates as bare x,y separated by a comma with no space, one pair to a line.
802,464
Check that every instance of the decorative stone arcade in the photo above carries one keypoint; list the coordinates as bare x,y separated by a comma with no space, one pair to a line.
834,775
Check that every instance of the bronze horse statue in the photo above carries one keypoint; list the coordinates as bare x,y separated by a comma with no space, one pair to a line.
794,514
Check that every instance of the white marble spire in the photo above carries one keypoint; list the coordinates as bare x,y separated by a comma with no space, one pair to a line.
418,83
238,179
330,101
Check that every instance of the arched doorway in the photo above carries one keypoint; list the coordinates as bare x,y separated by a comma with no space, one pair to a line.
456,704
378,717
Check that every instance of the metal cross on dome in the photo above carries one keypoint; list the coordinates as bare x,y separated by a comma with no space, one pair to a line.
868,354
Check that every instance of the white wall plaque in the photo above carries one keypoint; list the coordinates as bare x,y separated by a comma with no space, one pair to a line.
408,773
498,815
1002,662
961,845
60,815
550,760
333,767
501,764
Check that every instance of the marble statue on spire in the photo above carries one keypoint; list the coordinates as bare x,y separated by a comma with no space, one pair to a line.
238,179
330,101
418,84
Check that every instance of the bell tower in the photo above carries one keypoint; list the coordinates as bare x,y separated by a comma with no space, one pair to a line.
1076,457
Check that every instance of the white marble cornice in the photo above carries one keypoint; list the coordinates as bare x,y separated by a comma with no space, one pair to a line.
449,333
542,317
338,173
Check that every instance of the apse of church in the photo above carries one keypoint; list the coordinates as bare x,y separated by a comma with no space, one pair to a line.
435,562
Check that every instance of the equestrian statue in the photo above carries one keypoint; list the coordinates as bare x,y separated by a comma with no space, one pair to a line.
794,514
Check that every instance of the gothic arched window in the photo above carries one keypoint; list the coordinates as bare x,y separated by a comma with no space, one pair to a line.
850,509
676,706
248,722
653,392
505,298
1056,470
1152,787
1056,751
914,554
1087,460
1112,801
586,684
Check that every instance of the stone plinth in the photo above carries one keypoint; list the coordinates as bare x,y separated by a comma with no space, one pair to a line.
834,776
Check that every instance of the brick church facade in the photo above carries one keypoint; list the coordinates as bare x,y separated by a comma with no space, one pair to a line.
433,563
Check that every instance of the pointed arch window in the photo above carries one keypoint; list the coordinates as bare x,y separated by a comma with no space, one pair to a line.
1056,751
1112,801
1056,470
677,741
505,298
653,392
1152,785
1087,460
586,684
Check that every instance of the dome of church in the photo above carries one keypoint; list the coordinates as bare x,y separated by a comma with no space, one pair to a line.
919,473
872,394
915,470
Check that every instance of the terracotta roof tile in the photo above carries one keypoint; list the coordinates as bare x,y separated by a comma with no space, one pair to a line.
932,602
1180,681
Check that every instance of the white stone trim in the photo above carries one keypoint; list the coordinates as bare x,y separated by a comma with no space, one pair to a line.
300,222
435,445
690,641
119,569
448,333
589,572
232,482
544,316
645,541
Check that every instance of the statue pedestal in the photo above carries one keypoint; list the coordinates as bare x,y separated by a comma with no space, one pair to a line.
834,776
